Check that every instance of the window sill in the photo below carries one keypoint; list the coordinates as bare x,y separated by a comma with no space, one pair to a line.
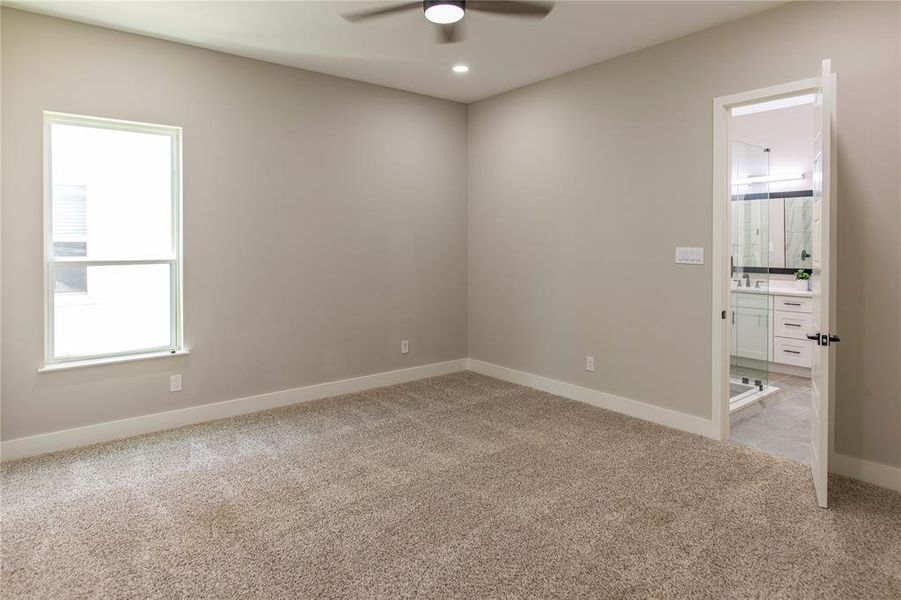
110,360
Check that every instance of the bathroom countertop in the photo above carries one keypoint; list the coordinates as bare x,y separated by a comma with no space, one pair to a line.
773,292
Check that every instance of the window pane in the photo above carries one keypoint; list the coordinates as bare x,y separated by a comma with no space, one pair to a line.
112,193
110,309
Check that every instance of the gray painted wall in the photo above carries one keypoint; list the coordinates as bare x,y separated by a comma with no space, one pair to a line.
581,186
325,220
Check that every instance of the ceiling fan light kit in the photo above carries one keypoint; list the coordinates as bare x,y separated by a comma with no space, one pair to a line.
447,14
443,12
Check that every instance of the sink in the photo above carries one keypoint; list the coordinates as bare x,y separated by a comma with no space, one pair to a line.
750,290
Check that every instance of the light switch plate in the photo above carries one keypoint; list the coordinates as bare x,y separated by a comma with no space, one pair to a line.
689,256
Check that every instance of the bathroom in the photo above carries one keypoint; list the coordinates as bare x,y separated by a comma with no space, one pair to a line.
771,240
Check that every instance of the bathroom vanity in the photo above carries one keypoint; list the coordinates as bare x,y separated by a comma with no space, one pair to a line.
770,324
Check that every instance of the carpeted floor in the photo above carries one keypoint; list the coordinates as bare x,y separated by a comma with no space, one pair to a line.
457,486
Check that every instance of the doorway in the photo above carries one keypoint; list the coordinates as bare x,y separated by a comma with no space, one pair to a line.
772,247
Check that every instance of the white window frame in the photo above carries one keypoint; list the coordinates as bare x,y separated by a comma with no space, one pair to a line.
174,259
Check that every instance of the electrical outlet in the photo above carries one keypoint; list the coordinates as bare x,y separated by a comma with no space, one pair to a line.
404,346
175,383
589,363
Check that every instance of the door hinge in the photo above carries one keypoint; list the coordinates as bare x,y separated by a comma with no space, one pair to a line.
724,315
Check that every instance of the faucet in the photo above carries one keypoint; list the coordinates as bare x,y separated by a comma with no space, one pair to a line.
747,279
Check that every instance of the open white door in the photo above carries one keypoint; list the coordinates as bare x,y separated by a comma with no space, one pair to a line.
823,281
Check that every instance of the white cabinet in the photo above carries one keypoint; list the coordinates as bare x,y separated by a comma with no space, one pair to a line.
771,328
751,326
792,322
792,304
792,352
751,333
792,325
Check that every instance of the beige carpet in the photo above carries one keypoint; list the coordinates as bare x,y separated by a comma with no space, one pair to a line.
457,486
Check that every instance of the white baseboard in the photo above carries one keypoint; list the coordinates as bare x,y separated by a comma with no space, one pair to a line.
633,408
849,466
871,472
789,370
865,470
123,428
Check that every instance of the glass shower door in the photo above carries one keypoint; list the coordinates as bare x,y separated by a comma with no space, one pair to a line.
750,247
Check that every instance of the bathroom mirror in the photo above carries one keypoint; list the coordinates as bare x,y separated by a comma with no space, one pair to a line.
773,232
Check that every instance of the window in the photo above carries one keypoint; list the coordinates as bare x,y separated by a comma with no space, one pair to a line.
112,239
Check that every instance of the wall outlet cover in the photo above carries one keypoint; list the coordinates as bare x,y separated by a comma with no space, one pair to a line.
404,346
589,363
175,383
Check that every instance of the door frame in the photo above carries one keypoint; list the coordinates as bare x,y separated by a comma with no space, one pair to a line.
722,158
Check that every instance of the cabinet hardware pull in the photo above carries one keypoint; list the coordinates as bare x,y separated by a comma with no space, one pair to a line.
791,352
792,325
792,303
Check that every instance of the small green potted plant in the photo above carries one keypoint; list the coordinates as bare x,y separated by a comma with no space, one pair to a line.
803,278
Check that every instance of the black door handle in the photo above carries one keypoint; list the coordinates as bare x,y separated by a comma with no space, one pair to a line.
823,339
805,255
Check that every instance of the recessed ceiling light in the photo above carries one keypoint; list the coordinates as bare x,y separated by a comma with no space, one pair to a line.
461,69
444,12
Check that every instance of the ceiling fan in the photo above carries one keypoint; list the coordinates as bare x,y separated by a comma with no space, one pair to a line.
448,13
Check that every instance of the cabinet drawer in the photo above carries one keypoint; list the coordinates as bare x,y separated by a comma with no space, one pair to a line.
792,304
792,324
792,352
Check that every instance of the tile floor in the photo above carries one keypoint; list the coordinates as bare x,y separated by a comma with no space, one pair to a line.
782,426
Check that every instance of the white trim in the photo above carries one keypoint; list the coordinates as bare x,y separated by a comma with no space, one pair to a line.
784,369
751,109
865,470
123,428
632,408
774,92
719,413
720,241
112,360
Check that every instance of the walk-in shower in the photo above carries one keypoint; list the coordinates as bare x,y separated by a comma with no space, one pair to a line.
749,300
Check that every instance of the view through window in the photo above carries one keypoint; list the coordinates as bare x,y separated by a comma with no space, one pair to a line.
113,253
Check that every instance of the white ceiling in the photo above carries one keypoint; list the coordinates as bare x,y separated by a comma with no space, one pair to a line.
399,51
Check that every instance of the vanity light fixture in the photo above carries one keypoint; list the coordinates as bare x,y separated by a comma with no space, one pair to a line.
767,179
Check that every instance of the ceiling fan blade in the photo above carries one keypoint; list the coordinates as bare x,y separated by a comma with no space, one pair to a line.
512,8
451,33
381,12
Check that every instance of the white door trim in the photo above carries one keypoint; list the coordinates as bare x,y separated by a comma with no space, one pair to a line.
720,240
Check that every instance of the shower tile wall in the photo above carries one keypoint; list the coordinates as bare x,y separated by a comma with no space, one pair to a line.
798,233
